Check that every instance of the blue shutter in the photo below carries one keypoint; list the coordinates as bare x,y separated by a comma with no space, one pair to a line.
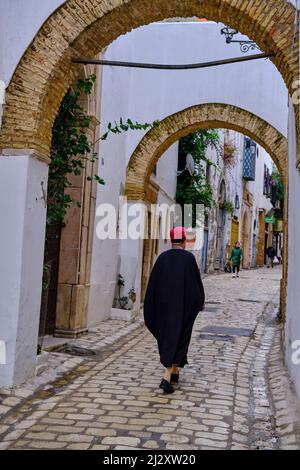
249,165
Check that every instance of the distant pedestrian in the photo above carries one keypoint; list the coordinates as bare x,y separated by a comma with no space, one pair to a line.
271,253
173,300
236,259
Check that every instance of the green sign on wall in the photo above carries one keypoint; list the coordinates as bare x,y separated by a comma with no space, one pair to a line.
270,220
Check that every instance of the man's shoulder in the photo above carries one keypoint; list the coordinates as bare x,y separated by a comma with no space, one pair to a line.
175,252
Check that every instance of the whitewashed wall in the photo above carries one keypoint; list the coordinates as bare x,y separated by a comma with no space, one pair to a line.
259,200
111,257
20,20
262,201
235,181
166,178
232,176
255,86
22,235
292,327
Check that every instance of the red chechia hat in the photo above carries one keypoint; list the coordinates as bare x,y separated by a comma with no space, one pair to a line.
177,233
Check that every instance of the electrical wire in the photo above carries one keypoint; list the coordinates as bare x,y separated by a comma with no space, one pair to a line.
115,63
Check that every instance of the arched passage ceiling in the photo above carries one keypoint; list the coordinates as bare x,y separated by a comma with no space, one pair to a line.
204,116
85,27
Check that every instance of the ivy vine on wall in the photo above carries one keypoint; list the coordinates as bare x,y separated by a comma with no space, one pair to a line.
71,147
196,189
70,151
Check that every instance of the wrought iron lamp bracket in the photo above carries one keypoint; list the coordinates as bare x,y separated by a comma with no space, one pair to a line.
245,45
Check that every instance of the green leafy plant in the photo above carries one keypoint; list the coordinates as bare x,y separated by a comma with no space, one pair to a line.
229,153
121,126
46,276
123,300
277,186
228,207
197,142
71,148
277,193
196,189
132,295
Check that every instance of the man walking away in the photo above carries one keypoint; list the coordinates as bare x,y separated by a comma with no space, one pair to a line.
236,258
174,297
271,253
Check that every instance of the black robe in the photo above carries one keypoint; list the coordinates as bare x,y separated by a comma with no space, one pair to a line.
174,297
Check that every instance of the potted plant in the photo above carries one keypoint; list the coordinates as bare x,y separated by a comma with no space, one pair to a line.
229,153
123,308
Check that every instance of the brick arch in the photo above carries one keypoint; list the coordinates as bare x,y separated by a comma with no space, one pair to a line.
84,28
203,116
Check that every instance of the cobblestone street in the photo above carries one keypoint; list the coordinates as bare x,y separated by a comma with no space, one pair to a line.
234,394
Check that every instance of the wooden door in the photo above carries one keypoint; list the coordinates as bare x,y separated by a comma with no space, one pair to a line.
234,232
260,260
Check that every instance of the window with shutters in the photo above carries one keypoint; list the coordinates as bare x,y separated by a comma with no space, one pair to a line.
249,164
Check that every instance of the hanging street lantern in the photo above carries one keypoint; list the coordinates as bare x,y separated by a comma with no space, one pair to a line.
245,45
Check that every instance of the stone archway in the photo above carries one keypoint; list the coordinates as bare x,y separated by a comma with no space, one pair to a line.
84,28
203,116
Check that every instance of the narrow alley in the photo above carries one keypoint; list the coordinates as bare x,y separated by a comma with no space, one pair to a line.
234,394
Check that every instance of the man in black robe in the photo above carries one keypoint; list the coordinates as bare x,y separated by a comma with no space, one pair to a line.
174,297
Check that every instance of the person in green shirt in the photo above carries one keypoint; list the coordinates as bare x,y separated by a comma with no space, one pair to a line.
236,258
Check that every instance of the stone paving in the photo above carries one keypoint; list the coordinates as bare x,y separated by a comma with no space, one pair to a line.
234,394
